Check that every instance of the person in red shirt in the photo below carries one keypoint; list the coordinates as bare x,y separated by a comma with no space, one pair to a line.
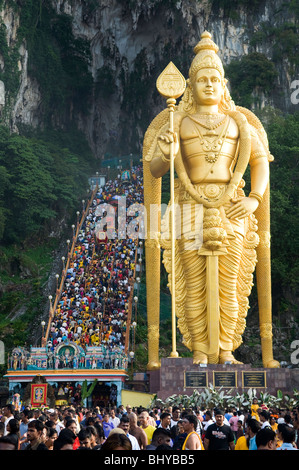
72,425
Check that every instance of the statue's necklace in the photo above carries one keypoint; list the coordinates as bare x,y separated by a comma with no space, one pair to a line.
209,121
211,143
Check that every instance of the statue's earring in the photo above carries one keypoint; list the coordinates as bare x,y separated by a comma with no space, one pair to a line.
188,97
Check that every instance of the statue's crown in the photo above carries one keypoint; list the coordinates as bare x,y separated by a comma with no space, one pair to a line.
206,56
206,43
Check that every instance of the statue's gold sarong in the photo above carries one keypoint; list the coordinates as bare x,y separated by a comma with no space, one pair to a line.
236,263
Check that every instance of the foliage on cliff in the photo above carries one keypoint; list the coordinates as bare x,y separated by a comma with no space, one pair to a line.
41,179
57,59
283,134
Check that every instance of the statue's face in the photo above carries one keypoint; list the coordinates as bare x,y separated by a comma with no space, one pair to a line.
208,87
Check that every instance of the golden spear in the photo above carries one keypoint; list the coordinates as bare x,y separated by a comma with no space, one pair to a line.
171,85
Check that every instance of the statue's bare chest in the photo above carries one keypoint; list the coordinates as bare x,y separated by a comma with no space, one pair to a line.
209,138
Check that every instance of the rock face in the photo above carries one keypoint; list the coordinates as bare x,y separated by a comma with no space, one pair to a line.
131,41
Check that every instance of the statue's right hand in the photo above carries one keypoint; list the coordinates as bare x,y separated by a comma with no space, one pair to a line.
165,140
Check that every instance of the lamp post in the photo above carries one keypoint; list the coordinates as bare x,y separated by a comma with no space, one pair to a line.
135,300
43,328
140,250
73,228
134,324
132,354
57,277
63,264
51,307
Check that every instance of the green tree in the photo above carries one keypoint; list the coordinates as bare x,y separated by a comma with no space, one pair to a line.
42,179
283,138
85,391
252,72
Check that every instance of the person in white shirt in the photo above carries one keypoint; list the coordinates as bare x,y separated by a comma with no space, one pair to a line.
114,419
165,420
208,420
288,420
125,426
281,415
8,414
58,424
241,416
176,413
264,419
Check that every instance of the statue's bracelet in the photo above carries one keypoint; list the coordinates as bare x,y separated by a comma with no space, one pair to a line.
256,196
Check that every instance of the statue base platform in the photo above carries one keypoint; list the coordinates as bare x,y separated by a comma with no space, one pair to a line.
180,376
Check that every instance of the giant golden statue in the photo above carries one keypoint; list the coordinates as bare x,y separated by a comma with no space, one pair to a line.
210,264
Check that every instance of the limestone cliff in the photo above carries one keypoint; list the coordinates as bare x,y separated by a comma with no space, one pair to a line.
130,42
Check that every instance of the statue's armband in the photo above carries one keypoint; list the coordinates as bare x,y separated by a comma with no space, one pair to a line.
258,151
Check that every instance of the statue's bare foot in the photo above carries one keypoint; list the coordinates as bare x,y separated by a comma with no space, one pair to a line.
199,358
226,356
273,364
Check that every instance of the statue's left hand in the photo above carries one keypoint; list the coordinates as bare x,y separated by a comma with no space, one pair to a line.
242,207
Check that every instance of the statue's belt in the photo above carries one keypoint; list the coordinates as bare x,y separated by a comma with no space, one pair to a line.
211,191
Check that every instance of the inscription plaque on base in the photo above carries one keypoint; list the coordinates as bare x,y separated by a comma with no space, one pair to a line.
195,379
254,379
225,379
